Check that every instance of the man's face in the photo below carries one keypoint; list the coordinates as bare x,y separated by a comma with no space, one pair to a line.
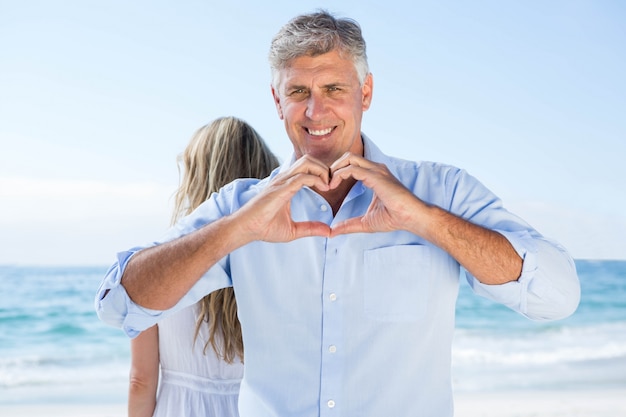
322,103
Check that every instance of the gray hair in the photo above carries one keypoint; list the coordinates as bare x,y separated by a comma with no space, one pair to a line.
316,34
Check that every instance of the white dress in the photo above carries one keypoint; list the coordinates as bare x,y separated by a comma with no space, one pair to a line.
193,383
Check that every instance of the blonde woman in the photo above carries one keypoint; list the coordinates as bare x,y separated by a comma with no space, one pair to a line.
195,357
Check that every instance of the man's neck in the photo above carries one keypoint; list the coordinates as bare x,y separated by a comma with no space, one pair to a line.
335,197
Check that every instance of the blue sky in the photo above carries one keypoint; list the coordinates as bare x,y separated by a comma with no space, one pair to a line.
98,98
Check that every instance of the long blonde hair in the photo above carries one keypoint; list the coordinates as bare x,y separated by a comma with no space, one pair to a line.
218,153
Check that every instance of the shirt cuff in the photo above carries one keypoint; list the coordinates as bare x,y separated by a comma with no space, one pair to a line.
513,294
114,306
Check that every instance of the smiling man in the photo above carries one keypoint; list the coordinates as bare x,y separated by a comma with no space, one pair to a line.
322,99
345,261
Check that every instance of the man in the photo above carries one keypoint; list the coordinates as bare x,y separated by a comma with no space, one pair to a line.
345,262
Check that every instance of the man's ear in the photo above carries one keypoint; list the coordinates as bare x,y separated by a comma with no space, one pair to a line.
368,91
279,108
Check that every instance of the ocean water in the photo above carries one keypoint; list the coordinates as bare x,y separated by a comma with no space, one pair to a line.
498,349
53,348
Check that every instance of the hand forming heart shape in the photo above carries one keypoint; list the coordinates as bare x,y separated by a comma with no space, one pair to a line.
391,207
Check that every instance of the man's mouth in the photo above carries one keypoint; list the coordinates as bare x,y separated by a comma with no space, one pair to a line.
319,132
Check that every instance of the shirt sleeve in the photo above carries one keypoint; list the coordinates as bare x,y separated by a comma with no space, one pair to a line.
113,304
548,287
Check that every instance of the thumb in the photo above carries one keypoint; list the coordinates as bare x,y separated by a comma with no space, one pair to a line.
306,229
353,225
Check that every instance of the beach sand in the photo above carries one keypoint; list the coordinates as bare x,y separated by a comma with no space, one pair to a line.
523,403
63,410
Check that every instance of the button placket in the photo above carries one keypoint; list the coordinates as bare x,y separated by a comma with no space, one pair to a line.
332,367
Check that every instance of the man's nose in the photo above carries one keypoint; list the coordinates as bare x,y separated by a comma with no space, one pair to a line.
316,106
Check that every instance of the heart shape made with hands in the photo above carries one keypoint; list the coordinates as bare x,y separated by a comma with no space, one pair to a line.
390,208
334,182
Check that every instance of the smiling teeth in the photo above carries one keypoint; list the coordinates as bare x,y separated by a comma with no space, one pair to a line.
320,132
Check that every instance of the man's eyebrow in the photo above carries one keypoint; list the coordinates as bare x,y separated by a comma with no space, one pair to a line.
327,85
336,84
290,87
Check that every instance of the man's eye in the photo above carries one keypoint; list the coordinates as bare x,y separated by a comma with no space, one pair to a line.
298,94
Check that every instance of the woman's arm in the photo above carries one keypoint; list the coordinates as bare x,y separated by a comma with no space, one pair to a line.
144,373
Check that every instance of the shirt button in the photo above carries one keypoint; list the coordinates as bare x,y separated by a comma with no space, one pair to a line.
332,296
332,348
324,207
330,404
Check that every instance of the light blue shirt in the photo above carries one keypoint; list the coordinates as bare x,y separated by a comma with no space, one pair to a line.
360,324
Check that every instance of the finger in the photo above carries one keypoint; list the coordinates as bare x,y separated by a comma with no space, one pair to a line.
307,229
286,185
348,159
309,165
356,172
353,225
296,182
342,162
